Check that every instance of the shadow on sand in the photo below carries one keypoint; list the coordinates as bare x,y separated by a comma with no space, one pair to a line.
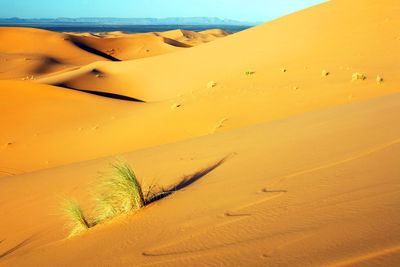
160,193
16,247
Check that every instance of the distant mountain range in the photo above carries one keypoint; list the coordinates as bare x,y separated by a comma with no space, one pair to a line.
129,21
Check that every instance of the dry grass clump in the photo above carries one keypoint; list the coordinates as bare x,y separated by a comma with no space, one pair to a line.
76,220
379,79
220,123
175,106
358,76
115,194
325,73
28,78
118,193
211,84
249,72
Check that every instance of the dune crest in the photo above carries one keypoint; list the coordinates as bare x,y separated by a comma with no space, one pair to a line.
29,52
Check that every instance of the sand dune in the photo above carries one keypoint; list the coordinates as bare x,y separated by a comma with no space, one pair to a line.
304,50
180,106
309,197
29,53
193,38
291,130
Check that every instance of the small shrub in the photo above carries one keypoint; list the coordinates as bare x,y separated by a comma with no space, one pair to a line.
249,72
358,76
211,84
76,220
175,106
379,79
325,73
120,192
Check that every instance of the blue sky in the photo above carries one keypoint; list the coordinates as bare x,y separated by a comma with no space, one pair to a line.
245,10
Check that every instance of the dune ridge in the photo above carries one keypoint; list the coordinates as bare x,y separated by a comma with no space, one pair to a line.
30,52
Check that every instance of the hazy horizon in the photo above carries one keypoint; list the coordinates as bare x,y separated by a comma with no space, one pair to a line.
252,11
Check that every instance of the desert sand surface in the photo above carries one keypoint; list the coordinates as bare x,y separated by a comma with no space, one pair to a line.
28,53
289,133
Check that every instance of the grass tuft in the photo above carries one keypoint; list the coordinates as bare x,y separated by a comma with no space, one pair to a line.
358,76
325,73
211,84
118,193
76,220
249,72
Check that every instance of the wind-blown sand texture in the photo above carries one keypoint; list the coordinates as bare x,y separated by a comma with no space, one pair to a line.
293,162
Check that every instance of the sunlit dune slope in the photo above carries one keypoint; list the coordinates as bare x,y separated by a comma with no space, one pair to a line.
326,193
43,126
193,38
186,97
317,49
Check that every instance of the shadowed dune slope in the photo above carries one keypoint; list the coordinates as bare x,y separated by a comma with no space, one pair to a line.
28,53
339,37
325,194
